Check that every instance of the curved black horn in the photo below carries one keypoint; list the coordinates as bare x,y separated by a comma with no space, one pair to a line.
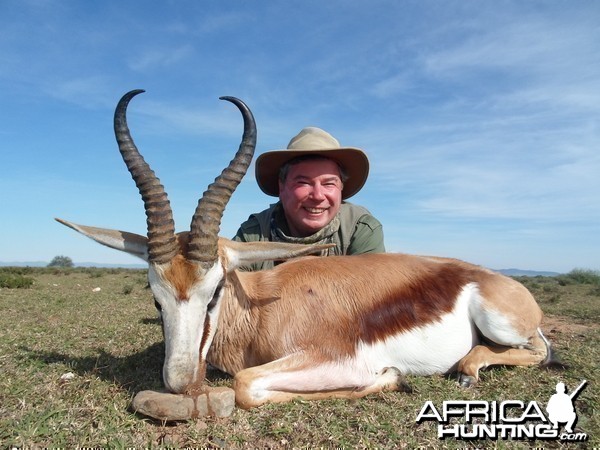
162,244
204,229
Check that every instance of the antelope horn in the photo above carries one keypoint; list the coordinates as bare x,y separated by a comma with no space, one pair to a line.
162,244
204,229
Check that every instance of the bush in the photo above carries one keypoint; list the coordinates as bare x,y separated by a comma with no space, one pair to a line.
595,291
580,276
127,289
61,261
14,281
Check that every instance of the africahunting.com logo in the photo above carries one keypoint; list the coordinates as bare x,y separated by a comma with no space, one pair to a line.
508,419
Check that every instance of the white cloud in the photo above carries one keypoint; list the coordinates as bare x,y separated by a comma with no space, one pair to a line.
151,58
89,91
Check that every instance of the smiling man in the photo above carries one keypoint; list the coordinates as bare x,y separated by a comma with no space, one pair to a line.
312,178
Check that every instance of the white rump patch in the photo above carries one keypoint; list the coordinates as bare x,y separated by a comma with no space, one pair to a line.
493,324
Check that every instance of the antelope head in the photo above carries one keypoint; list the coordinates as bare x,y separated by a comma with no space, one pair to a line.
187,271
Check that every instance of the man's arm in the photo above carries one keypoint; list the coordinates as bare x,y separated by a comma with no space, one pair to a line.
367,237
249,231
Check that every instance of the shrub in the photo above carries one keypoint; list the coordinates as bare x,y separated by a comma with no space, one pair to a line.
95,272
127,289
595,291
580,276
61,261
15,281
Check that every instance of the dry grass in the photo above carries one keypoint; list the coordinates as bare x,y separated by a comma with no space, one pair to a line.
111,342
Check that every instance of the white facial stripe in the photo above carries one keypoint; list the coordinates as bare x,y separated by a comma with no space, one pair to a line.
183,323
213,317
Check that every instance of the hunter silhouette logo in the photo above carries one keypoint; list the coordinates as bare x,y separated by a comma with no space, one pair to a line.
507,419
560,407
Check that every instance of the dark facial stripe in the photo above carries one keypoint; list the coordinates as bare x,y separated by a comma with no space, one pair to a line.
203,341
205,333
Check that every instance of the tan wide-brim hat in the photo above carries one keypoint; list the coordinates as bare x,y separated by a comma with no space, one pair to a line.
313,141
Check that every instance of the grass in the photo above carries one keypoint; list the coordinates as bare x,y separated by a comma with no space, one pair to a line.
112,343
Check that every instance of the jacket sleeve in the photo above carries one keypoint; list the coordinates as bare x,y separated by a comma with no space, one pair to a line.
367,237
249,231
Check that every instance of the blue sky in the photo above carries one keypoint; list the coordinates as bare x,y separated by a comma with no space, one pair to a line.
481,118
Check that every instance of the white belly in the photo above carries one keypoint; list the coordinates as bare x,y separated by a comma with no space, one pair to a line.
433,348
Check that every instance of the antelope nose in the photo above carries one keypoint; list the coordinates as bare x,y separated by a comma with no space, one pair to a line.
177,377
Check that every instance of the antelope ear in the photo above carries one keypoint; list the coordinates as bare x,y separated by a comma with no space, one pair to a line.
238,254
131,243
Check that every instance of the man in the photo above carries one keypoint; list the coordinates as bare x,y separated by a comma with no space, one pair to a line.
560,408
312,178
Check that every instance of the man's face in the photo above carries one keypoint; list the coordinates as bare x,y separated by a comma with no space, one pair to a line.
311,196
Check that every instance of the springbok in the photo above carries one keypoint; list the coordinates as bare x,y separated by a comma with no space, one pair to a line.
312,327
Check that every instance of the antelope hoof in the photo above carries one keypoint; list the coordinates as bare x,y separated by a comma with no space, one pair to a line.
466,381
397,382
165,406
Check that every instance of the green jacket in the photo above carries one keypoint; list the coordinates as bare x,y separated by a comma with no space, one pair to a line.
353,231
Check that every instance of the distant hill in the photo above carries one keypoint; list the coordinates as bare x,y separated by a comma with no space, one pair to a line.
112,266
526,273
23,264
77,264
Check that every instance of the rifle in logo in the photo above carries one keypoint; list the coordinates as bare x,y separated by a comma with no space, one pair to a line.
577,390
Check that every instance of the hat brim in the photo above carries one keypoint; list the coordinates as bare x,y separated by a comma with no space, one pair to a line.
353,160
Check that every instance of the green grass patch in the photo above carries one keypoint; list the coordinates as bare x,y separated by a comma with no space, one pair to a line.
110,340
